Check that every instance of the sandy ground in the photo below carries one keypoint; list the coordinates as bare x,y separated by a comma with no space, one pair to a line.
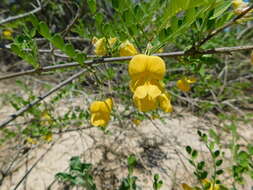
159,147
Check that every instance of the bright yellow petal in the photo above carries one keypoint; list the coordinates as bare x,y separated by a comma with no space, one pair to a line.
165,103
112,41
183,85
99,119
95,106
145,104
109,103
94,40
153,91
191,80
186,187
137,66
141,92
156,67
100,47
127,49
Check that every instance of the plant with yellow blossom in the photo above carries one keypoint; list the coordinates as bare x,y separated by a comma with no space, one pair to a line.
127,49
239,6
101,47
184,83
100,112
7,33
146,74
206,184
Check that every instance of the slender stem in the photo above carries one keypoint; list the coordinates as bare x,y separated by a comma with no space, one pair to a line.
40,98
218,30
12,18
222,50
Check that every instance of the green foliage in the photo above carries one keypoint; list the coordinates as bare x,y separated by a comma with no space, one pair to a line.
79,174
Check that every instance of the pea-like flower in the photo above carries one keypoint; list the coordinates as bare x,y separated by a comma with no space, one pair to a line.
100,112
184,84
100,45
146,97
127,49
205,182
146,73
146,67
7,33
165,102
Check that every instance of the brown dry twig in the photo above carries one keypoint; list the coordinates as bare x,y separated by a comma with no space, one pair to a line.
40,98
13,18
222,50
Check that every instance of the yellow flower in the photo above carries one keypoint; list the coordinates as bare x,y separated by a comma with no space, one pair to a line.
100,45
31,140
100,112
164,101
146,73
127,49
7,33
46,119
146,67
205,182
146,97
186,187
136,122
48,137
239,6
161,50
184,83
212,186
237,3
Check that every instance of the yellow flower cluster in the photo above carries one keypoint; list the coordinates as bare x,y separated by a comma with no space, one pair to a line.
205,182
127,49
100,112
7,33
146,74
184,84
101,47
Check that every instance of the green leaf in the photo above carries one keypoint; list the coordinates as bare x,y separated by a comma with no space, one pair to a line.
115,4
188,149
218,163
69,50
194,154
44,30
203,175
92,5
222,7
80,58
58,41
216,153
250,149
219,172
131,161
15,49
201,165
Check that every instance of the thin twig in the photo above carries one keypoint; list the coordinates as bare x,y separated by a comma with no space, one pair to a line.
218,30
33,166
115,59
12,18
40,98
